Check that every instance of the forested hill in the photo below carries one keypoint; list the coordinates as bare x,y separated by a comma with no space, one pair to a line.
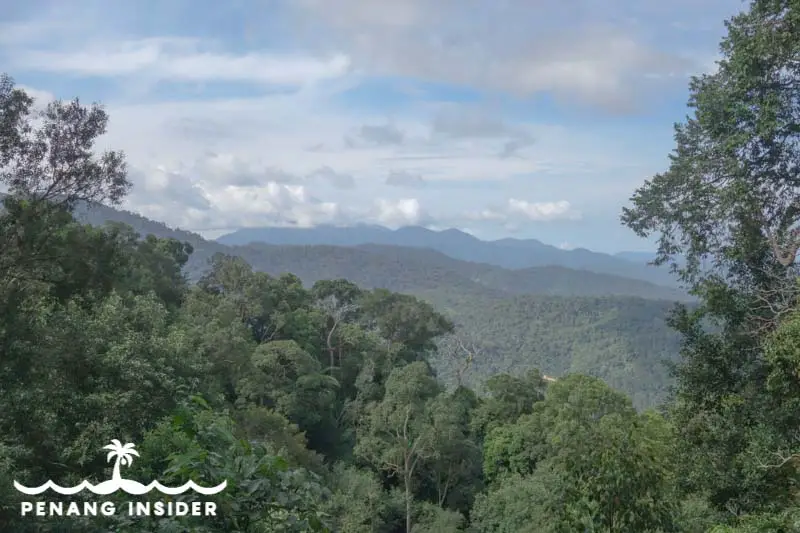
405,269
505,253
552,318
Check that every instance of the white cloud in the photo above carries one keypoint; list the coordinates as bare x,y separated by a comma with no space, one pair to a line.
272,204
40,97
176,59
179,201
276,203
224,151
516,210
577,50
403,212
542,210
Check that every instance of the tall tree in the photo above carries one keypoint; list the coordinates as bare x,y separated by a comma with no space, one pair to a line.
47,164
583,460
48,154
729,204
397,433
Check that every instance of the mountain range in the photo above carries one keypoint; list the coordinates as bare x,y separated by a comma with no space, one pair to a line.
506,253
552,317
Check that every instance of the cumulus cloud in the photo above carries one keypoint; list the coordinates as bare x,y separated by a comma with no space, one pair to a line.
225,168
402,178
182,199
170,187
271,204
276,204
197,197
516,210
40,97
542,210
402,212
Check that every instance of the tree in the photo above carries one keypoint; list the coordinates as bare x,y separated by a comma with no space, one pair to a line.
515,506
358,503
264,491
460,351
48,165
454,472
730,193
587,461
284,377
396,434
405,321
48,156
729,204
509,397
336,312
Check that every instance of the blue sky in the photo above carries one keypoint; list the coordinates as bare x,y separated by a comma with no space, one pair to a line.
502,118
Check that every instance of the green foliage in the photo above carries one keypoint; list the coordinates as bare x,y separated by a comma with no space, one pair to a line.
322,408
431,518
623,341
554,319
586,459
514,506
358,503
728,204
264,493
509,397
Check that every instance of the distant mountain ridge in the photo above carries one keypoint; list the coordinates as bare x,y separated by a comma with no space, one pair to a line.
637,257
506,253
398,268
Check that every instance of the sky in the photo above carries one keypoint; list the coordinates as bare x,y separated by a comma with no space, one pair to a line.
503,118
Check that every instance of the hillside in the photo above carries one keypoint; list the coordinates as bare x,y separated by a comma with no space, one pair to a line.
505,253
622,340
636,257
553,318
405,269
414,269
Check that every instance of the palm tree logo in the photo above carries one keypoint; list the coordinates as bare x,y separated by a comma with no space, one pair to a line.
123,455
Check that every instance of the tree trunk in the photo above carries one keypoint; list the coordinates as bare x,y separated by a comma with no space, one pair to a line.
331,352
408,502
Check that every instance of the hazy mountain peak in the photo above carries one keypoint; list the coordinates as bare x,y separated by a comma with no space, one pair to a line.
508,253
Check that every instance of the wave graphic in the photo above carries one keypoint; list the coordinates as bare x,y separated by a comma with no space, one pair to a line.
125,485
